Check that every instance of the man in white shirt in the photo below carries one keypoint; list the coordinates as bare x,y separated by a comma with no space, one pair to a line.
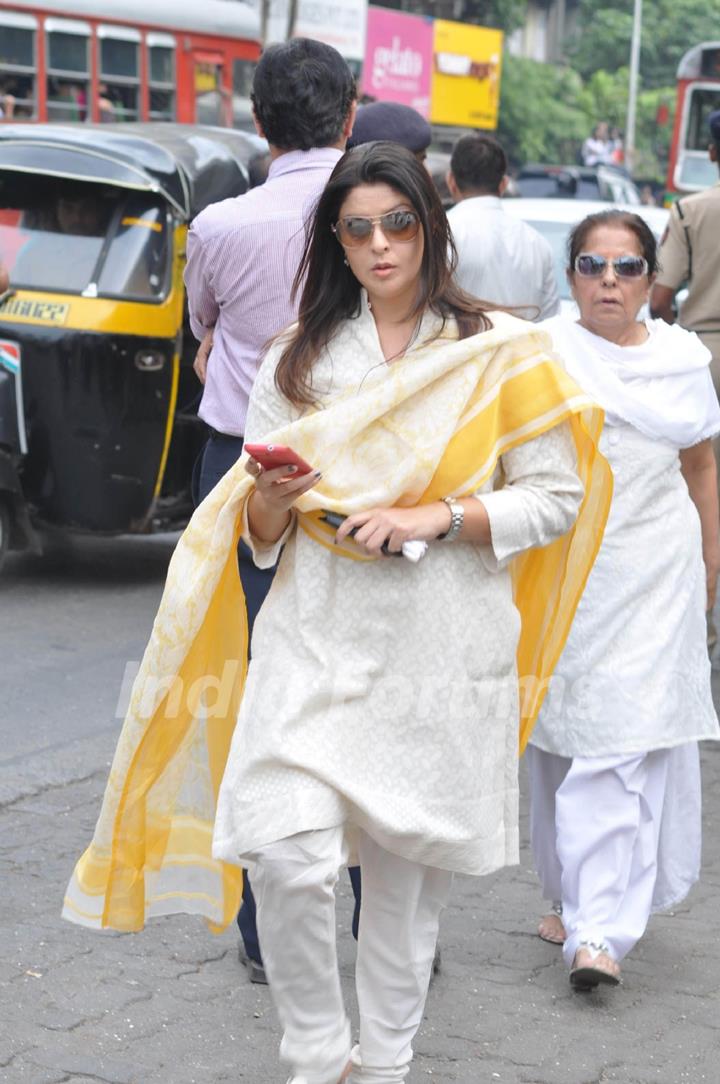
500,258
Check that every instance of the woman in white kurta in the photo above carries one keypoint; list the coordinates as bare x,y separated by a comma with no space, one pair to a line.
380,712
355,665
614,766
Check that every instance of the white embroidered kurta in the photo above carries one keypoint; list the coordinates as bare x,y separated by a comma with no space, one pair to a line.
384,694
634,674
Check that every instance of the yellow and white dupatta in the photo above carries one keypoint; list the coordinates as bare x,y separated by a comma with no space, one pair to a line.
431,425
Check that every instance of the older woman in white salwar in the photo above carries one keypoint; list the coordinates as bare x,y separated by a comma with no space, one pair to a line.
613,760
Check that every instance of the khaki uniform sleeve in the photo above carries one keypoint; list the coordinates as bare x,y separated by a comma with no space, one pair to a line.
674,256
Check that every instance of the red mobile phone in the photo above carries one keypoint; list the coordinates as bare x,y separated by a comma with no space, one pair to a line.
270,456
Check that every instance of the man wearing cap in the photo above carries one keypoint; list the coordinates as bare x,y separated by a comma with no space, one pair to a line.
397,123
501,259
394,123
690,253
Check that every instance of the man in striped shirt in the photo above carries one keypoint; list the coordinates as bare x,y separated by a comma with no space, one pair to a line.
242,257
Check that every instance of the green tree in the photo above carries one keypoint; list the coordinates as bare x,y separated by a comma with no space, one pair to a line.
507,15
653,139
605,96
546,112
541,115
670,28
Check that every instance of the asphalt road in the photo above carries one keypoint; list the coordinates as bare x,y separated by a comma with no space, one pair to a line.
72,627
172,1005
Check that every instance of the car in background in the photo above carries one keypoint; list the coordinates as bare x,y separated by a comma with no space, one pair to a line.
607,183
555,218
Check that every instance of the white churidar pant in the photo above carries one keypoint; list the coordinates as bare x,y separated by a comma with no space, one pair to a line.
614,839
294,884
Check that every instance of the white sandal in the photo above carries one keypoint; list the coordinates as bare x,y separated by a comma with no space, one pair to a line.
598,968
554,932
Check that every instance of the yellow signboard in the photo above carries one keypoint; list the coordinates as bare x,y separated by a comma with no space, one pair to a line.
466,75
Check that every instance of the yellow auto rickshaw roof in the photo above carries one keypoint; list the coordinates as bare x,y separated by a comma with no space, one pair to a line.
191,166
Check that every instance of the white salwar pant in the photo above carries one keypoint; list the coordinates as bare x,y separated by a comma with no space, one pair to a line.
294,884
614,839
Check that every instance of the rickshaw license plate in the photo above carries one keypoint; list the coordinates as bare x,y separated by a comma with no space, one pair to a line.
47,312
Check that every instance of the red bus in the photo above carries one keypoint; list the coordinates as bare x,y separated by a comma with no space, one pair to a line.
698,94
115,60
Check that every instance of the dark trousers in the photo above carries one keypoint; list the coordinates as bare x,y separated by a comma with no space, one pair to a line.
215,460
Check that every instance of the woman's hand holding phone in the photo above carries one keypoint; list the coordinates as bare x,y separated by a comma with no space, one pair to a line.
276,491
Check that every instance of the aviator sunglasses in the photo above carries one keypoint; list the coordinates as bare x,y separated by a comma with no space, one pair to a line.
355,230
591,266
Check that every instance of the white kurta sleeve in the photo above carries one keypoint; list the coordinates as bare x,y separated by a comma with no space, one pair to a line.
265,554
539,500
268,411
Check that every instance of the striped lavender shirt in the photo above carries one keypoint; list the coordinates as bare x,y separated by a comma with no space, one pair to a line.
242,257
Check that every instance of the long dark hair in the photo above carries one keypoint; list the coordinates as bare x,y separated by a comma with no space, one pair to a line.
330,291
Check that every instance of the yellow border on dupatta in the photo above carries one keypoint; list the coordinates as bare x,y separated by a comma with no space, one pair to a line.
141,834
549,581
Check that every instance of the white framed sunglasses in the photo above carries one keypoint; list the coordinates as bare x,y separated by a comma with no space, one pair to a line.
591,266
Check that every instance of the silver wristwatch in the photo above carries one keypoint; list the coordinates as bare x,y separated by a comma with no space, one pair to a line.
457,513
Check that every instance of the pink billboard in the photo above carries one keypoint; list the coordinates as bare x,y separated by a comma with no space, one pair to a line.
398,58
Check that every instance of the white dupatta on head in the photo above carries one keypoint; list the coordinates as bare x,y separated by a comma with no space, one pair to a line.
662,387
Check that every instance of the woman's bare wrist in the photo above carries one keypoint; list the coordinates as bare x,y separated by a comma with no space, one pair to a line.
266,524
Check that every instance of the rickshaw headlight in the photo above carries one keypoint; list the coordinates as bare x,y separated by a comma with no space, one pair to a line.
149,361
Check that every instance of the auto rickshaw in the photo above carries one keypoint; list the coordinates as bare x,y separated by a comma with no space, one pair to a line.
98,423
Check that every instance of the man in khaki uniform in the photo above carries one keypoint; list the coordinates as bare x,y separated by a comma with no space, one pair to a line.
690,253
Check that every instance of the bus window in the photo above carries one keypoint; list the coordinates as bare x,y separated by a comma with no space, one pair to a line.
161,66
703,101
119,66
698,94
210,107
695,169
242,114
17,65
68,69
710,63
243,74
